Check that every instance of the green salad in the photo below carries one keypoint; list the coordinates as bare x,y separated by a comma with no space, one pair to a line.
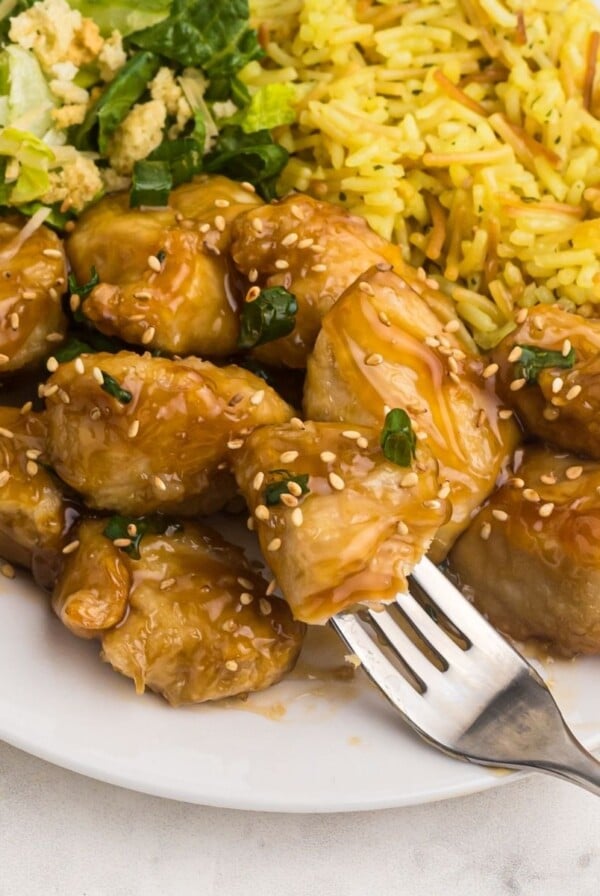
103,96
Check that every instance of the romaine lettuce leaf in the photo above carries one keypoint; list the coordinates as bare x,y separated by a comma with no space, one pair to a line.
214,36
271,106
123,15
29,101
33,157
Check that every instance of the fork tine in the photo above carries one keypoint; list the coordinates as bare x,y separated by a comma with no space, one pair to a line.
377,666
430,631
418,664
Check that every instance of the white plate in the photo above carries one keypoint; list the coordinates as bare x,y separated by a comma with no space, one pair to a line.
314,743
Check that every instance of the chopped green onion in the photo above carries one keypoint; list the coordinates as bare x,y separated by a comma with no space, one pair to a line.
534,359
279,487
270,316
83,290
112,387
398,441
121,527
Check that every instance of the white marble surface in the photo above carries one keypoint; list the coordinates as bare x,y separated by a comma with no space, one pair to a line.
64,835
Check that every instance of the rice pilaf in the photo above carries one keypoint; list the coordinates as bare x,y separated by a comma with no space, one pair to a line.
465,130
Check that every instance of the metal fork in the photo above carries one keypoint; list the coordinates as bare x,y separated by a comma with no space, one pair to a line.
461,685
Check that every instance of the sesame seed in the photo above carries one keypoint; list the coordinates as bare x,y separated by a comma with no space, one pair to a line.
53,293
54,337
222,203
384,319
374,359
271,587
521,315
4,359
485,531
289,500
409,480
231,666
143,295
6,433
14,321
26,407
258,481
52,364
246,598
159,483
95,414
297,516
505,413
132,530
531,495
235,444
490,370
432,341
294,489
327,457
258,397
500,515
573,472
566,348
516,482
290,239
453,364
452,326
517,384
538,321
557,384
432,504
7,571
546,509
402,528
48,391
204,228
454,377
274,544
336,482
362,442
262,512
28,294
252,294
250,524
319,268
97,374
220,223
550,414
154,264
148,335
166,584
122,542
134,428
351,434
444,490
257,225
79,365
33,453
265,606
52,253
548,479
4,477
32,468
515,354
297,423
245,583
281,264
366,288
253,275
573,392
71,547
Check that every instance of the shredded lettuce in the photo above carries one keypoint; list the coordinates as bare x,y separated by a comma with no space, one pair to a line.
271,106
122,15
32,157
28,100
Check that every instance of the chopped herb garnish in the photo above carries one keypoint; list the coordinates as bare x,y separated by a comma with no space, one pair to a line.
279,486
121,527
113,388
72,349
270,316
398,441
534,359
84,289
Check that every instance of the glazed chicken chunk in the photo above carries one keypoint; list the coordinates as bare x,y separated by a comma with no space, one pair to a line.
550,374
338,523
164,277
32,280
314,250
382,345
33,511
177,609
140,434
540,534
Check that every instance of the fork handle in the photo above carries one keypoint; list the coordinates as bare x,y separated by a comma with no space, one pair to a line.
579,767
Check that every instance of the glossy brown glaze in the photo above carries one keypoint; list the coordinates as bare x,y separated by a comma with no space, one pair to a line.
531,557
570,416
163,450
372,353
356,534
189,619
324,249
184,306
32,281
33,511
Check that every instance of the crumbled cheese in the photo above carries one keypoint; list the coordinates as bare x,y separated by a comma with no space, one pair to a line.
164,87
66,116
112,56
75,184
137,135
114,182
55,33
69,92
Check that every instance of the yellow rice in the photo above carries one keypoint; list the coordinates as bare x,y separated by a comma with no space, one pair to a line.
464,130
